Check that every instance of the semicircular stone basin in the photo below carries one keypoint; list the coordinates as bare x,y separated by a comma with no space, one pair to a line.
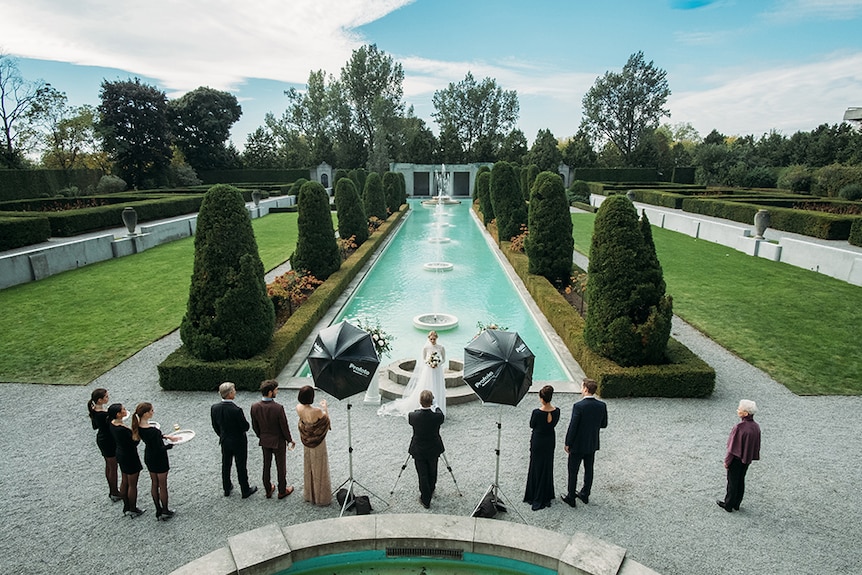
276,549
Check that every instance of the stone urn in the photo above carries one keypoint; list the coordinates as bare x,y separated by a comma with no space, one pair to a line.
631,195
130,218
255,197
761,222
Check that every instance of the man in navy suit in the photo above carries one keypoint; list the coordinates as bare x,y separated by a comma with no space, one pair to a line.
230,425
589,415
426,445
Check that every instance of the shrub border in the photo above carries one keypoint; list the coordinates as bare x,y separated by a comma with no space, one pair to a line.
182,372
686,375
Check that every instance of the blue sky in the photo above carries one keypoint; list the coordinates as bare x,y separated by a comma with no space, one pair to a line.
739,66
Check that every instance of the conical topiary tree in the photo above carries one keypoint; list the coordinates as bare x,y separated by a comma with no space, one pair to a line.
316,247
391,192
549,244
373,201
403,187
351,216
629,315
479,172
483,194
510,209
229,314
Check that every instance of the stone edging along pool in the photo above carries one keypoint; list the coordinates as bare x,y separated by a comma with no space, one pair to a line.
271,548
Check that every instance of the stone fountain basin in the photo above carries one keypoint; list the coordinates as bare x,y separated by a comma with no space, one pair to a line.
437,321
398,375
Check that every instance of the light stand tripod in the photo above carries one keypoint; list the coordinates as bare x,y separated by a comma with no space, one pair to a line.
496,494
448,467
350,481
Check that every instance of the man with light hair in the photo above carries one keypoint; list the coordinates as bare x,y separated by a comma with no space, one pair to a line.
230,425
743,447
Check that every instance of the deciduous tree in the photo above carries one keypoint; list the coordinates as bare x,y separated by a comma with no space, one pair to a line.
619,107
136,131
479,113
202,120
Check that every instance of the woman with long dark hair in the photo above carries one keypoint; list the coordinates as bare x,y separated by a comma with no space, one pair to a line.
98,412
127,458
540,476
155,457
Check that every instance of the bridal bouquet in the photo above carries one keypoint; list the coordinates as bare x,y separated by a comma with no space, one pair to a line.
382,340
434,359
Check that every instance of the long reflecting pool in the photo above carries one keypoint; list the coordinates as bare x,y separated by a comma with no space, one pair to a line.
475,289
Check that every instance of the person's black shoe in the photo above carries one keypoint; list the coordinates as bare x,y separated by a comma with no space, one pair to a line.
569,501
582,497
251,491
536,506
425,505
136,513
228,491
724,506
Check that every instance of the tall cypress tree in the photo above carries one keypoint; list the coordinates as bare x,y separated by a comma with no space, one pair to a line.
351,216
229,314
316,246
629,315
483,193
510,209
372,198
549,244
391,192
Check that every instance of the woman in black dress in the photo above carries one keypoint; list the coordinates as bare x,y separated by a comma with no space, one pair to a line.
127,458
155,457
540,477
99,419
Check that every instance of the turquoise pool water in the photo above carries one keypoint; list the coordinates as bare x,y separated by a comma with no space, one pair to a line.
376,562
476,290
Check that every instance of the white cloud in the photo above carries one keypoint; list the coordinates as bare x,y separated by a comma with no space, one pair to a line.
788,99
794,10
183,45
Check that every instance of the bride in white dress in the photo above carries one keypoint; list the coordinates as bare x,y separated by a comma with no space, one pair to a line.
428,374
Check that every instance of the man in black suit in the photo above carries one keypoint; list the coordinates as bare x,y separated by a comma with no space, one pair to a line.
589,415
426,445
230,425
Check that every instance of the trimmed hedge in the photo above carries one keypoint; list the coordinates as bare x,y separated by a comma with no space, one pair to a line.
181,372
22,184
252,176
617,174
685,374
74,222
815,224
17,232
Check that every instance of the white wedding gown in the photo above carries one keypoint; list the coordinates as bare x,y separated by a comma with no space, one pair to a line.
424,377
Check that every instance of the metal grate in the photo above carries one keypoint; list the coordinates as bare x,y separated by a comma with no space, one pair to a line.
425,552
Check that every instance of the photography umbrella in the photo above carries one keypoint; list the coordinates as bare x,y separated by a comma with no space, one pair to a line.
498,367
343,360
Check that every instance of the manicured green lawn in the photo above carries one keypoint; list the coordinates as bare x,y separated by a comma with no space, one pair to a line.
799,326
74,326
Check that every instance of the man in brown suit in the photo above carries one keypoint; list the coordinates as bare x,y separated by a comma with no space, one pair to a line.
269,423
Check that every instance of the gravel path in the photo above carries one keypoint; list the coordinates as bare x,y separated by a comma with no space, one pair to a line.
657,476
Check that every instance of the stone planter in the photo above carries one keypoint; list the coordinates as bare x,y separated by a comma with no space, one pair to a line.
762,220
130,218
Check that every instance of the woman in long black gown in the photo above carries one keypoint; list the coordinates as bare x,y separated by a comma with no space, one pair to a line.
127,458
99,419
155,457
540,477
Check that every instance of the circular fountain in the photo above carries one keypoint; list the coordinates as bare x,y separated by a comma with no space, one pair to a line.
438,266
436,321
439,240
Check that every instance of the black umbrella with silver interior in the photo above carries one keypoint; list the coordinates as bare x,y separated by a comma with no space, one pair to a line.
343,360
498,367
